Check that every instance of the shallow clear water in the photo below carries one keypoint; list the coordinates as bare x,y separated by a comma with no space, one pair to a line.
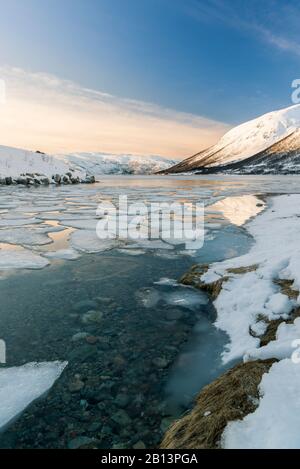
156,343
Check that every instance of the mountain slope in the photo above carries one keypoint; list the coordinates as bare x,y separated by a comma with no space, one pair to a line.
28,167
104,163
264,140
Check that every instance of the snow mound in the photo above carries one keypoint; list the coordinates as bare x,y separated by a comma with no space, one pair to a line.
104,163
287,339
19,386
246,297
275,423
33,167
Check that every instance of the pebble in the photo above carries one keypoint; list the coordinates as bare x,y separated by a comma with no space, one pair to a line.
121,418
76,385
161,362
79,336
95,427
91,339
80,441
139,445
92,316
83,353
122,400
84,306
103,300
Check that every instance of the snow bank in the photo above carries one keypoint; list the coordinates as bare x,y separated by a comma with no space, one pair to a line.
19,386
287,339
275,424
246,301
245,297
104,163
27,167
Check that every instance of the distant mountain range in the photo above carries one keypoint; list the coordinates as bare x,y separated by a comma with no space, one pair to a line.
26,167
106,163
269,144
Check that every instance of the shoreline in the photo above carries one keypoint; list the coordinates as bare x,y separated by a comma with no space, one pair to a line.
268,327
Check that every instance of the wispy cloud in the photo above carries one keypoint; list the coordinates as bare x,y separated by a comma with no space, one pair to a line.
272,21
282,43
47,113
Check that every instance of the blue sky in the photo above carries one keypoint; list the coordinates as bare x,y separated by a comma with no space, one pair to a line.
225,60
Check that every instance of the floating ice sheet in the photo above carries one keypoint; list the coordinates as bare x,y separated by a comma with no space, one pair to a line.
66,254
185,298
19,386
87,241
20,258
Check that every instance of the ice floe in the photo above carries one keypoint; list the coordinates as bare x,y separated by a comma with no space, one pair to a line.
16,257
185,298
19,386
24,236
88,241
66,254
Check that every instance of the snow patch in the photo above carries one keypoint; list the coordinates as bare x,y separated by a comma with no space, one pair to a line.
244,297
275,423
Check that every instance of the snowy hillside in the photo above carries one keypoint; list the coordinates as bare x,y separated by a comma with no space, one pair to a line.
104,163
245,142
27,167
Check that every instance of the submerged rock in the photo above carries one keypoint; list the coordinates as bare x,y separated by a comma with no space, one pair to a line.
76,385
79,336
139,445
193,278
121,418
161,362
83,353
80,441
84,306
122,400
92,317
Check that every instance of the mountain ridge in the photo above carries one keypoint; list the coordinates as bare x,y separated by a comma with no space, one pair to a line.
252,147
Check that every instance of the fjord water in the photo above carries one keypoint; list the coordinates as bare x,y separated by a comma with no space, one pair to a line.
153,346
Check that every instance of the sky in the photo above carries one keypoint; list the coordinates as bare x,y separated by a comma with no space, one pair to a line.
142,76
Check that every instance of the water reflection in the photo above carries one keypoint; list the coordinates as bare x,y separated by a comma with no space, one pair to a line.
238,210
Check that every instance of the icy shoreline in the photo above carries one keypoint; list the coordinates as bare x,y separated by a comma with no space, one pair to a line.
254,293
30,168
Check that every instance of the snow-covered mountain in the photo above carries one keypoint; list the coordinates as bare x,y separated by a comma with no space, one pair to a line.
28,167
104,163
267,144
